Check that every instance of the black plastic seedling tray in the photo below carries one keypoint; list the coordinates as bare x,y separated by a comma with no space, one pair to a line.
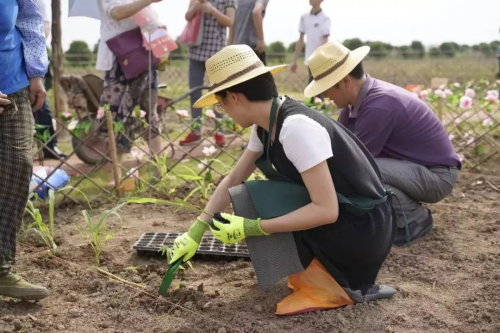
151,242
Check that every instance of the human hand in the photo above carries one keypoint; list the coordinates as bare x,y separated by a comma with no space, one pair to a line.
261,46
3,101
207,7
185,245
231,229
37,93
293,68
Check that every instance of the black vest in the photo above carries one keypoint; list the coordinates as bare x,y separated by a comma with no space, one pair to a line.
352,167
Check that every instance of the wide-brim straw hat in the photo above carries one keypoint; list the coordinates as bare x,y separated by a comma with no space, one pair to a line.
230,66
330,63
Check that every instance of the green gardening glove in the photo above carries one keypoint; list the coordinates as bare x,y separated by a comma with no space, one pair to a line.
185,245
230,229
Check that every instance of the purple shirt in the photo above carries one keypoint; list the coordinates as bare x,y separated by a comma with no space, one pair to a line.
391,122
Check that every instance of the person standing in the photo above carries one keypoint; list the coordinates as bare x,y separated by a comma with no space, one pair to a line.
23,63
315,26
249,26
122,95
218,15
410,145
44,116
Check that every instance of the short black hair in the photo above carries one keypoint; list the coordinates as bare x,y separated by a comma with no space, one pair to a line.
260,88
358,72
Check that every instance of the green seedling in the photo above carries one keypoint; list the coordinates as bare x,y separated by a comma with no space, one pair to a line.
44,230
98,234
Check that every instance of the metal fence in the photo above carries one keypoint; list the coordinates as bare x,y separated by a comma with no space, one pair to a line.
193,171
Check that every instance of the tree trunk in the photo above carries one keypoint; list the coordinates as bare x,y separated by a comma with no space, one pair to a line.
57,58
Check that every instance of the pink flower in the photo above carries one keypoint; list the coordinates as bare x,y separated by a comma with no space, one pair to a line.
183,113
465,102
448,92
492,96
493,92
328,102
424,94
487,122
139,114
440,93
134,173
470,93
492,99
138,154
100,113
209,151
456,84
203,164
210,114
66,115
442,87
317,100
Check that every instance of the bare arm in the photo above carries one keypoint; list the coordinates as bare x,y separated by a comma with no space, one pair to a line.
220,199
125,11
225,19
298,48
194,8
258,19
46,29
322,210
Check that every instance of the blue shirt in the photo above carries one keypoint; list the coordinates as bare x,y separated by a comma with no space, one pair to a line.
23,53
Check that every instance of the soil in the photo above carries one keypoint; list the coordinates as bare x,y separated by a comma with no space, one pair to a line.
449,281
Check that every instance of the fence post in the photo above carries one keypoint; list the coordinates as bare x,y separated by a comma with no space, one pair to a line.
57,58
112,150
440,110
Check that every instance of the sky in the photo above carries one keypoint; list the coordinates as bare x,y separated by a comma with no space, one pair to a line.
398,22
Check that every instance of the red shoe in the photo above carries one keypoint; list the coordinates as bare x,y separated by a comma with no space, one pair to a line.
192,139
220,139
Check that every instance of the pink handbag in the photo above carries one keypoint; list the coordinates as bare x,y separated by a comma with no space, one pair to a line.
193,32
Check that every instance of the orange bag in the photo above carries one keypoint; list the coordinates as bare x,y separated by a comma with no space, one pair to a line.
314,289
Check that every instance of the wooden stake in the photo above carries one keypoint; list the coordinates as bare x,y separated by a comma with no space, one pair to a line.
57,59
440,111
112,150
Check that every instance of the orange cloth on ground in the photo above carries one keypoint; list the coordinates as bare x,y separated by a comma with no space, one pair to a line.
313,289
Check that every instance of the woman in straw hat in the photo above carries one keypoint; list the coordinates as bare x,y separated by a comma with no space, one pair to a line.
408,141
323,218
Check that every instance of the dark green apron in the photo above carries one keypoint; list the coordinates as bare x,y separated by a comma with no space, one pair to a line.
280,195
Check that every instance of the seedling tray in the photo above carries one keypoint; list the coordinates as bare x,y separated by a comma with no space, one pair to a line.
151,242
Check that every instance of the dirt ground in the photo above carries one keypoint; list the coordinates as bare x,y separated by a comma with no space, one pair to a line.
447,282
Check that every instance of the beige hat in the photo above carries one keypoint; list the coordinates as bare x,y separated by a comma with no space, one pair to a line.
230,66
330,63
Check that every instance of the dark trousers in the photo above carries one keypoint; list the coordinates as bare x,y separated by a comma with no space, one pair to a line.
262,56
16,165
43,117
196,79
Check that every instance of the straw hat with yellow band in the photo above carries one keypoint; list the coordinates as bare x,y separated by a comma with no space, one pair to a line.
330,63
230,66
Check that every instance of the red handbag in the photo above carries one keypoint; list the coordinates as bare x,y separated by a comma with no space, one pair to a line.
193,32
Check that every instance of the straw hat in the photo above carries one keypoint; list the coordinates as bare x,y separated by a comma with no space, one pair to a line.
230,66
330,63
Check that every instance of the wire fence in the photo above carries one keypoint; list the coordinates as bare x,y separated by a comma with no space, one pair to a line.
191,172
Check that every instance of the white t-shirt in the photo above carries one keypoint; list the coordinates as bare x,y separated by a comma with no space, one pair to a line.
306,143
45,8
111,28
315,27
